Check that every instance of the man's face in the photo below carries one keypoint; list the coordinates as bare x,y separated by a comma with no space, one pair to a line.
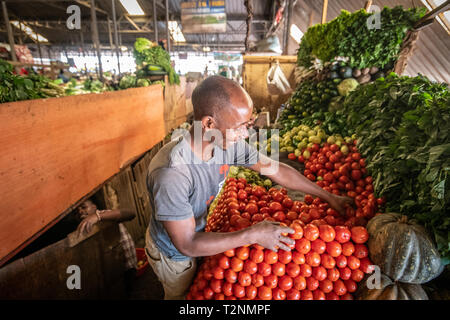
235,122
85,209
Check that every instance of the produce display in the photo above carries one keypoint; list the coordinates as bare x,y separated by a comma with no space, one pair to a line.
15,87
403,132
326,262
416,260
152,59
349,36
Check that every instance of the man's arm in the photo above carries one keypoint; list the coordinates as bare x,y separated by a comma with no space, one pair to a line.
200,244
292,179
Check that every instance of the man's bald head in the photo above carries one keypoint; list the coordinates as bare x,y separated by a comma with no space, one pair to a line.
216,95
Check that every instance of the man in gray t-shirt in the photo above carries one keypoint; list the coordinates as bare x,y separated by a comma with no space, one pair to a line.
186,174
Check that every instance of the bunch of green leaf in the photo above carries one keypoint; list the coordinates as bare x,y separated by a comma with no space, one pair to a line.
349,36
15,87
94,86
145,52
403,125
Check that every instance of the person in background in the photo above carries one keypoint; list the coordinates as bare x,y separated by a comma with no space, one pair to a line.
90,215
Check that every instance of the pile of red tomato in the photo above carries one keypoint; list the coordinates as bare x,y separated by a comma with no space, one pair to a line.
344,175
326,262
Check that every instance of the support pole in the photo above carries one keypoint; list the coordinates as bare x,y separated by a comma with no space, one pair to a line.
38,44
110,33
368,5
95,38
288,25
9,30
324,11
155,21
116,37
167,27
311,18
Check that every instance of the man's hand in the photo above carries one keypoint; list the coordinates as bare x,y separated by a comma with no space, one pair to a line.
87,224
269,235
340,203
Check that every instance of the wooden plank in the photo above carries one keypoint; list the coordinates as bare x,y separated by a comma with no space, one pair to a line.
174,104
269,59
55,151
368,5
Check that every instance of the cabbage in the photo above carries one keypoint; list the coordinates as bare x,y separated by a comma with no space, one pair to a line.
143,83
346,86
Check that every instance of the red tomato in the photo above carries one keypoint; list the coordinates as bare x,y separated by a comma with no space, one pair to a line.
298,258
218,273
208,293
292,269
227,289
279,216
284,256
257,255
347,296
278,294
291,156
357,275
238,290
361,251
293,294
334,248
365,265
327,261
257,280
264,269
278,269
242,253
345,273
278,196
348,248
312,283
353,262
271,281
275,206
237,264
332,296
318,295
341,261
219,296
244,279
326,285
298,230
270,257
291,215
313,259
339,288
250,267
285,283
333,274
356,175
216,285
306,295
264,293
327,233
300,283
350,285
318,246
230,276
308,199
251,292
224,262
311,232
305,270
303,245
359,234
320,273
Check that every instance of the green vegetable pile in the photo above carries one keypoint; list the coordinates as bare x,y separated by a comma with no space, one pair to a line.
315,103
403,126
349,36
151,59
15,87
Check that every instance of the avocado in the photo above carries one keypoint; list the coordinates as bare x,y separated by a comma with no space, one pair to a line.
346,72
334,75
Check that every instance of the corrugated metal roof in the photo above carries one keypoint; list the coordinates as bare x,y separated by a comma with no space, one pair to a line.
431,57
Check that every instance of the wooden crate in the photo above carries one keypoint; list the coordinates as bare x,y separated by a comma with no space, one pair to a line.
255,71
57,151
174,104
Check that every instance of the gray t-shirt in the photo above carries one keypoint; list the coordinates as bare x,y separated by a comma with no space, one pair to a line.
181,186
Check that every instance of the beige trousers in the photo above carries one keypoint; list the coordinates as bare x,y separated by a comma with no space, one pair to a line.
175,276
